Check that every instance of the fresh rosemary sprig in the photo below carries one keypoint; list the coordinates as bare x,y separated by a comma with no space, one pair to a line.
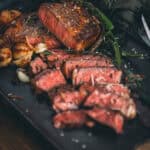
132,54
116,48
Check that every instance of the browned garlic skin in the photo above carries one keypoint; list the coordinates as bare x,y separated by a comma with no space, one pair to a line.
5,57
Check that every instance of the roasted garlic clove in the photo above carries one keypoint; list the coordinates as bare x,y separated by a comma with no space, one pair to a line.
6,16
5,57
22,75
22,54
40,47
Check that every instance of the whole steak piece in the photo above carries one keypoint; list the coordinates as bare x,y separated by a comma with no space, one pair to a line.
28,28
71,24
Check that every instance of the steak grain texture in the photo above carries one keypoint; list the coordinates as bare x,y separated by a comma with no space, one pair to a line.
71,24
96,75
103,98
67,99
37,65
48,79
72,119
85,61
57,57
109,118
118,89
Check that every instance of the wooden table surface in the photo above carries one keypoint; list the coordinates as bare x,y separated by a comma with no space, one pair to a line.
15,134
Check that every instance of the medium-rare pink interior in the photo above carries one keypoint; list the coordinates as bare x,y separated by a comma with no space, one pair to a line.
83,88
71,24
94,93
96,75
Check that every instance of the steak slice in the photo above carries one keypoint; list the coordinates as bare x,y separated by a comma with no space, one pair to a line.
29,28
72,119
48,79
71,24
85,61
118,89
37,65
96,75
102,98
57,57
67,99
107,117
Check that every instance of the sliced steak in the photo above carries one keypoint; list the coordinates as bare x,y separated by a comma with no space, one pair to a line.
71,24
118,89
72,119
102,98
85,61
48,79
29,28
67,99
37,65
57,57
96,75
106,117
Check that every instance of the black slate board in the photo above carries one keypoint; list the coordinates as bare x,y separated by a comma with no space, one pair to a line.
39,114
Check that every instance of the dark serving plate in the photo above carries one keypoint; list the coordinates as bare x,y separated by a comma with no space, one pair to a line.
38,113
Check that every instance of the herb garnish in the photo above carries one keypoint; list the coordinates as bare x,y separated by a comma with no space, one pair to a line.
47,52
134,80
108,29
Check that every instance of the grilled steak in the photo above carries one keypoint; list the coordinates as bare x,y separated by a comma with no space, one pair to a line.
57,57
48,79
67,99
110,118
85,61
96,75
102,98
72,119
37,65
118,89
71,24
29,28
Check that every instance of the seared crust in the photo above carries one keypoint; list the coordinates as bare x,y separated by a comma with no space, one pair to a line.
71,23
29,28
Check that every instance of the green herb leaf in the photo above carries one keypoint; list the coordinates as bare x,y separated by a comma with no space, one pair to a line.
131,54
47,53
116,48
101,16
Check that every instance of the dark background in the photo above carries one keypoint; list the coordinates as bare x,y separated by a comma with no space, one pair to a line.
16,133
